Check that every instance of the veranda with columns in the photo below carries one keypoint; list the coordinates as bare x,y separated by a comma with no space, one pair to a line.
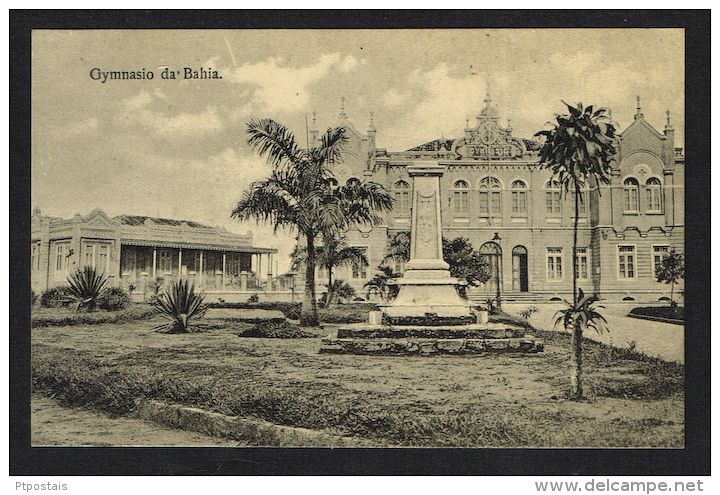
140,254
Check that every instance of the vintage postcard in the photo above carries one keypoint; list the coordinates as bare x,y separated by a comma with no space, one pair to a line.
383,238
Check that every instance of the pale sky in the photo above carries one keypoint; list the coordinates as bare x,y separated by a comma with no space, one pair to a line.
176,148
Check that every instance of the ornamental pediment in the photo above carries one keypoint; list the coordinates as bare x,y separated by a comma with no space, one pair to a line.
488,140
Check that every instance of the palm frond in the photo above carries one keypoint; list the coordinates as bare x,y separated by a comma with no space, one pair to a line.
274,141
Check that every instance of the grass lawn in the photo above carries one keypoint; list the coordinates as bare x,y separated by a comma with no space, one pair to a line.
440,401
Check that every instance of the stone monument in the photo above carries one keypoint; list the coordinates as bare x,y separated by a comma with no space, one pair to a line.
428,316
427,292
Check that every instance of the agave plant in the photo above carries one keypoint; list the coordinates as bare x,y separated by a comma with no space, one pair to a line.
86,288
179,304
576,318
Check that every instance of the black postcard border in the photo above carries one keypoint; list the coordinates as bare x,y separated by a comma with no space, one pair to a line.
694,459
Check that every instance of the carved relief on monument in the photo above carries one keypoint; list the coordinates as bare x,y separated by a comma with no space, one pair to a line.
426,240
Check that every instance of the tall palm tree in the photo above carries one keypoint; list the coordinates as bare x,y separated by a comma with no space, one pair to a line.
578,148
399,248
332,253
299,194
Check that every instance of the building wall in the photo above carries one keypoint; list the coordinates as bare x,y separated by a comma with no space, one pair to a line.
643,154
60,247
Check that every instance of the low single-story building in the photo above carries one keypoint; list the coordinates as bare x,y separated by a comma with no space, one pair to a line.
139,252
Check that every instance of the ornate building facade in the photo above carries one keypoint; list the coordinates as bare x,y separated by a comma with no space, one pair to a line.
495,195
135,251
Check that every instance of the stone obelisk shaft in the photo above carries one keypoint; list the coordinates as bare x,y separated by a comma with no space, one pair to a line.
426,288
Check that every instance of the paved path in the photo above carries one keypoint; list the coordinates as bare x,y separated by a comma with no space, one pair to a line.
653,338
52,424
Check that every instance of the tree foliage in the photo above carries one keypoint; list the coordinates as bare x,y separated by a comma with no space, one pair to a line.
332,253
671,270
580,315
301,194
578,148
398,248
381,286
465,262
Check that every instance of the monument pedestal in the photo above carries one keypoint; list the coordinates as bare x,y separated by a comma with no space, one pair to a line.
428,316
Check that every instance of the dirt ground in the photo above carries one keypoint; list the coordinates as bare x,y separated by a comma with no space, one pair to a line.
53,424
511,384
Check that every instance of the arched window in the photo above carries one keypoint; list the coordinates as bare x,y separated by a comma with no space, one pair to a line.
489,196
552,198
460,198
352,181
653,195
519,197
402,198
582,203
630,188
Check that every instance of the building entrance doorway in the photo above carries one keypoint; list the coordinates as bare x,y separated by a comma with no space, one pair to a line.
520,268
492,252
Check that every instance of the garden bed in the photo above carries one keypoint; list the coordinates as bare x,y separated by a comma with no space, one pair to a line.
63,316
664,314
488,401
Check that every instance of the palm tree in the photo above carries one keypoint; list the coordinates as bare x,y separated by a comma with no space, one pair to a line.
300,194
578,148
332,253
399,248
380,285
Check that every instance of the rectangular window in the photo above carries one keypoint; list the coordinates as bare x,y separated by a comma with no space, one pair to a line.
402,200
554,264
659,252
460,202
233,264
358,270
653,195
519,202
582,262
33,257
552,202
484,204
165,261
96,255
626,262
62,252
582,204
495,202
60,257
102,260
128,261
89,254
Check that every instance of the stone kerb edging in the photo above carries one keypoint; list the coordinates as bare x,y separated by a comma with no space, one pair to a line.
255,432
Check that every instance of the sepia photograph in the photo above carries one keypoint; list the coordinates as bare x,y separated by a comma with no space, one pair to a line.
358,238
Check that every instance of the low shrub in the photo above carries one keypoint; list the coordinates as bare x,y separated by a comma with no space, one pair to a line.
276,330
291,310
114,299
33,297
61,317
55,297
668,312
